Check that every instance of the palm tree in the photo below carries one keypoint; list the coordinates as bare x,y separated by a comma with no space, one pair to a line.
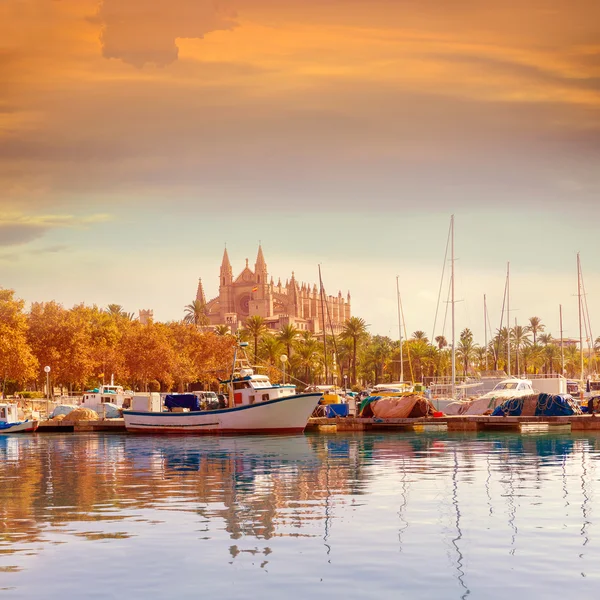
480,355
519,336
535,326
256,327
466,348
307,351
355,329
287,335
441,342
545,339
222,330
195,314
271,349
115,310
420,335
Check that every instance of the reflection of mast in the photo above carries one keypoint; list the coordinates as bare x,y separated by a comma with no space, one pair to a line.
512,515
460,559
586,499
327,508
402,509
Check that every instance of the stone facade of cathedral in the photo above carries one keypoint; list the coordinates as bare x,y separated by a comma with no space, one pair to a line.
252,292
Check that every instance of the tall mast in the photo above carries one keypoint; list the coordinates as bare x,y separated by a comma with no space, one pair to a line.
580,319
400,329
324,327
508,314
453,316
485,329
562,346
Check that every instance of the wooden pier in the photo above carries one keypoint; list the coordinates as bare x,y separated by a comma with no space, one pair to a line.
459,423
354,424
64,426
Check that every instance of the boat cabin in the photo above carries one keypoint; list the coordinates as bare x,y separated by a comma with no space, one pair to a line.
250,388
9,413
105,394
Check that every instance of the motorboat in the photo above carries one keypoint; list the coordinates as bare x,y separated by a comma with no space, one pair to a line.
10,422
255,406
504,390
106,400
398,388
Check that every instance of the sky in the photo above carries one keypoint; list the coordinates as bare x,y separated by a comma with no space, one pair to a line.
137,139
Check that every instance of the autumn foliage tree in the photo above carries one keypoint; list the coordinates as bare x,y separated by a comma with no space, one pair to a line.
17,362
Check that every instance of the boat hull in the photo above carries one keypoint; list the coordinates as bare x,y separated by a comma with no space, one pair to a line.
24,427
286,415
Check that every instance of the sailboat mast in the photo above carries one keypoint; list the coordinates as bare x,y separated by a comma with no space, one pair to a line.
580,319
508,314
562,346
453,316
485,329
324,328
400,329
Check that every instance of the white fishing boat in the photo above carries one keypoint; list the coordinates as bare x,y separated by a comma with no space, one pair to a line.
10,423
255,406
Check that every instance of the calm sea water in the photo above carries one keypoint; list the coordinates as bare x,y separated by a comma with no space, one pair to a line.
369,516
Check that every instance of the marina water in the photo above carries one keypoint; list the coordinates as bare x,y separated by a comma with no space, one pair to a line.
312,516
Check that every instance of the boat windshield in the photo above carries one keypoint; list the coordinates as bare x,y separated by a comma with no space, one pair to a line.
260,382
507,385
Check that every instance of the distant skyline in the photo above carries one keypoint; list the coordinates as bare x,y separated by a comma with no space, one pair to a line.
137,138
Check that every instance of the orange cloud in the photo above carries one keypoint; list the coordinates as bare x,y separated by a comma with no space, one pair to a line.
141,32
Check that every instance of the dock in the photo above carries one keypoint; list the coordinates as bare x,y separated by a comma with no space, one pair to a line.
64,426
354,424
459,424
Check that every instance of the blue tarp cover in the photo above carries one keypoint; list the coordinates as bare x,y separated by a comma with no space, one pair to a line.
336,410
547,405
182,401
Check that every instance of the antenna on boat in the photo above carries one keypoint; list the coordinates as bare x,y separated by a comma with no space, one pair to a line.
453,316
400,328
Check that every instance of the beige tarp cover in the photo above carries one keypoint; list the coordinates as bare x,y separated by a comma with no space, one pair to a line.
402,407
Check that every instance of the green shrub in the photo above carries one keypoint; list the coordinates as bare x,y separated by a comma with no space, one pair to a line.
31,395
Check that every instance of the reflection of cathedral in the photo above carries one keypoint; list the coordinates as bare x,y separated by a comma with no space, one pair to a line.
252,293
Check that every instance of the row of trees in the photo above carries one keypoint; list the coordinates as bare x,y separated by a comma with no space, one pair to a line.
357,357
85,345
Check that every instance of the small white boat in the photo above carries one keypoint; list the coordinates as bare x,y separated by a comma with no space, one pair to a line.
255,406
505,390
106,400
10,423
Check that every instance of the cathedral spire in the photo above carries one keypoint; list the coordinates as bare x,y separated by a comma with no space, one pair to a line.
226,270
260,267
200,297
225,264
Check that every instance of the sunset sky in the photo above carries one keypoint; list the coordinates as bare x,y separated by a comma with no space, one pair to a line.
138,138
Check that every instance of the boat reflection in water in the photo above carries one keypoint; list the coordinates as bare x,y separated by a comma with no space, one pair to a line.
380,514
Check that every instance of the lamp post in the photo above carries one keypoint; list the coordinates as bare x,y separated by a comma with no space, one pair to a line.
283,358
345,383
47,371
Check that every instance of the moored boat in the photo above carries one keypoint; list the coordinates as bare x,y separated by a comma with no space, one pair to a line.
255,407
10,423
505,390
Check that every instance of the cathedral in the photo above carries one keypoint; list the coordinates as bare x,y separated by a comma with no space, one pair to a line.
253,293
